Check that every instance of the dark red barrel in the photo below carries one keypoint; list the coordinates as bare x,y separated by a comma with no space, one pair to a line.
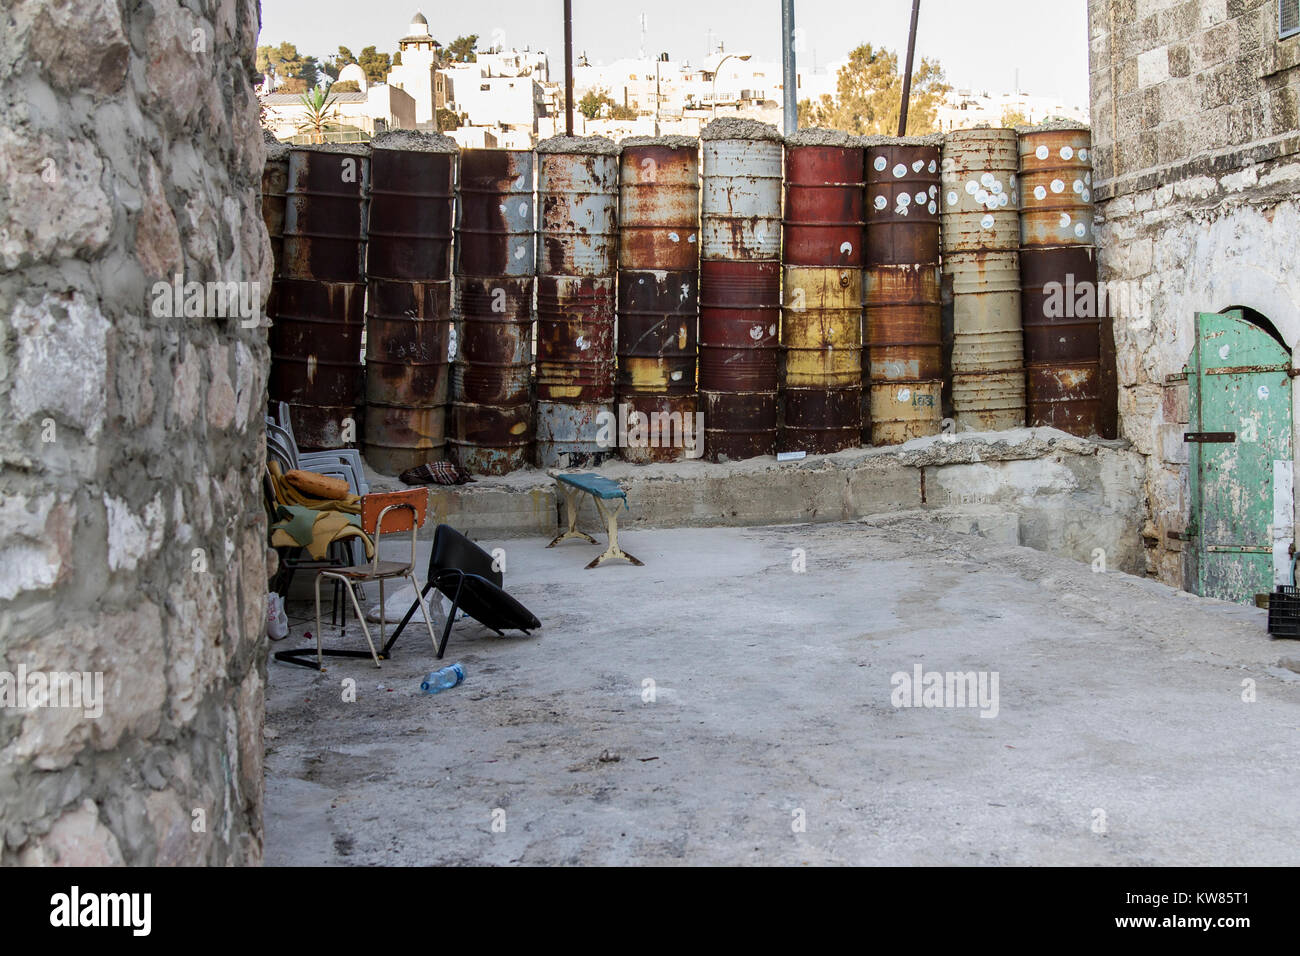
317,314
657,342
494,359
1061,313
740,308
410,339
575,339
824,214
316,359
495,232
821,421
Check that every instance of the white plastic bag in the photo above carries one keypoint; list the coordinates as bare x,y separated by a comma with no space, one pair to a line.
277,622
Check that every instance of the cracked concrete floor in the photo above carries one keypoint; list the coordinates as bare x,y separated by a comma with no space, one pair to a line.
1121,737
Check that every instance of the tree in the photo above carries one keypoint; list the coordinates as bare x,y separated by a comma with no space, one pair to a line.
869,93
447,120
331,66
591,103
461,49
309,72
321,114
281,61
1011,118
375,64
345,86
397,58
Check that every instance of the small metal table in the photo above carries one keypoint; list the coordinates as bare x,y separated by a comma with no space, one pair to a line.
601,489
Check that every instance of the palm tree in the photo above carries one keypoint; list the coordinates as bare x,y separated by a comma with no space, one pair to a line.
320,114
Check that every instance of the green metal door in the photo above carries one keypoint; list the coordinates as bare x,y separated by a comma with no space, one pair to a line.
1239,456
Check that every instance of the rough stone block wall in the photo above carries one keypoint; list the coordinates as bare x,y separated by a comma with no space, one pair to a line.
132,539
1197,165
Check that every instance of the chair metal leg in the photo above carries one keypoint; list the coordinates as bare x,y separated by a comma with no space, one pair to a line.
424,608
365,629
382,613
320,655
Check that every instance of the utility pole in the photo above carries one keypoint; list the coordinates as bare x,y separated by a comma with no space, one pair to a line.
568,67
907,71
789,78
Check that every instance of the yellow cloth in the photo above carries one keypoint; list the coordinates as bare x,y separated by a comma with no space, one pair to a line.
332,522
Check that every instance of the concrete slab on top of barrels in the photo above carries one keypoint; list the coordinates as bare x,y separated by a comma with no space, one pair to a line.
415,141
585,145
730,127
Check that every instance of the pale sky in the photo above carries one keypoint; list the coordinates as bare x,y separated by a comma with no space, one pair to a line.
980,45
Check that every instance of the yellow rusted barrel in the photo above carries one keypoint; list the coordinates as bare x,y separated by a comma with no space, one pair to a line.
821,327
901,411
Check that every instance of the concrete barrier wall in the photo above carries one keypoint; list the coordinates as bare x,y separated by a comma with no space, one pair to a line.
1039,487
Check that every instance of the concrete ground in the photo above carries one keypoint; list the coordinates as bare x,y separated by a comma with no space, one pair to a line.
769,735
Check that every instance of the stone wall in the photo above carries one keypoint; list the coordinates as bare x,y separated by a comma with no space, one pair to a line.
132,540
1197,164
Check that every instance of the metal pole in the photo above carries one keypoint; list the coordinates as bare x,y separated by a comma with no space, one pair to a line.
568,67
716,70
907,71
789,78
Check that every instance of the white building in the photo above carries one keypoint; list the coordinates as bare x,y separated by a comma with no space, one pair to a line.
419,52
373,110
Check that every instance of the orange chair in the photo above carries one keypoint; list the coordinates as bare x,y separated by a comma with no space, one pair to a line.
381,514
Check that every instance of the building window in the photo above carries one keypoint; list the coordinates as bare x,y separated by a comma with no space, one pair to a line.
1288,18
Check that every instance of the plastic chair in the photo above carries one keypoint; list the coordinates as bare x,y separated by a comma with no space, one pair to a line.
321,462
390,513
350,455
466,574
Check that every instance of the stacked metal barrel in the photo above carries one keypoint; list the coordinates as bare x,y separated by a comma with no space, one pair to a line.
409,332
658,296
316,336
902,355
821,324
981,232
740,288
577,187
275,181
491,429
1058,270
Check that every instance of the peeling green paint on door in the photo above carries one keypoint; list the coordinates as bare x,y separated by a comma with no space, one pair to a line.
1239,386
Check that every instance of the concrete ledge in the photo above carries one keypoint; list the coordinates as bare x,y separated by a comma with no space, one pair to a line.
1052,491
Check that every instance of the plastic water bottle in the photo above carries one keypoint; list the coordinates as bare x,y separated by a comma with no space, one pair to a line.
442,679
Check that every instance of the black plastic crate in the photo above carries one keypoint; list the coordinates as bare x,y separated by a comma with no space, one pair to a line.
1284,611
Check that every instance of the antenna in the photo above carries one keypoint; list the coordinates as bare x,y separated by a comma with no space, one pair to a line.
641,51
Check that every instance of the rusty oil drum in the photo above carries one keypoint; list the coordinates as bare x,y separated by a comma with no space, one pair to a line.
901,411
1061,317
410,340
821,333
824,213
741,199
981,223
574,434
658,315
659,202
495,229
578,223
490,422
490,428
316,335
1056,188
981,190
575,339
275,183
903,347
316,359
902,204
410,337
740,305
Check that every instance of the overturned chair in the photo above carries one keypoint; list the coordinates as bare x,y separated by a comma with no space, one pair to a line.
393,512
468,576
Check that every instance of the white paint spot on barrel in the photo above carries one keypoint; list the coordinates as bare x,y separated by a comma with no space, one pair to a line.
1067,153
900,171
987,180
756,332
933,207
982,197
1086,196
904,394
996,188
972,188
1080,230
918,165
987,222
952,197
920,199
934,167
881,202
1058,186
881,163
1042,152
1078,187
1065,220
673,237
846,248
1083,155
904,199
1040,193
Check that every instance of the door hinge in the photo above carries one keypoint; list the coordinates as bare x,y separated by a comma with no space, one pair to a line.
1210,438
1187,535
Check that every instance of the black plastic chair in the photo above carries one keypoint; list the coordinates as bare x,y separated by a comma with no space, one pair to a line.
464,572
